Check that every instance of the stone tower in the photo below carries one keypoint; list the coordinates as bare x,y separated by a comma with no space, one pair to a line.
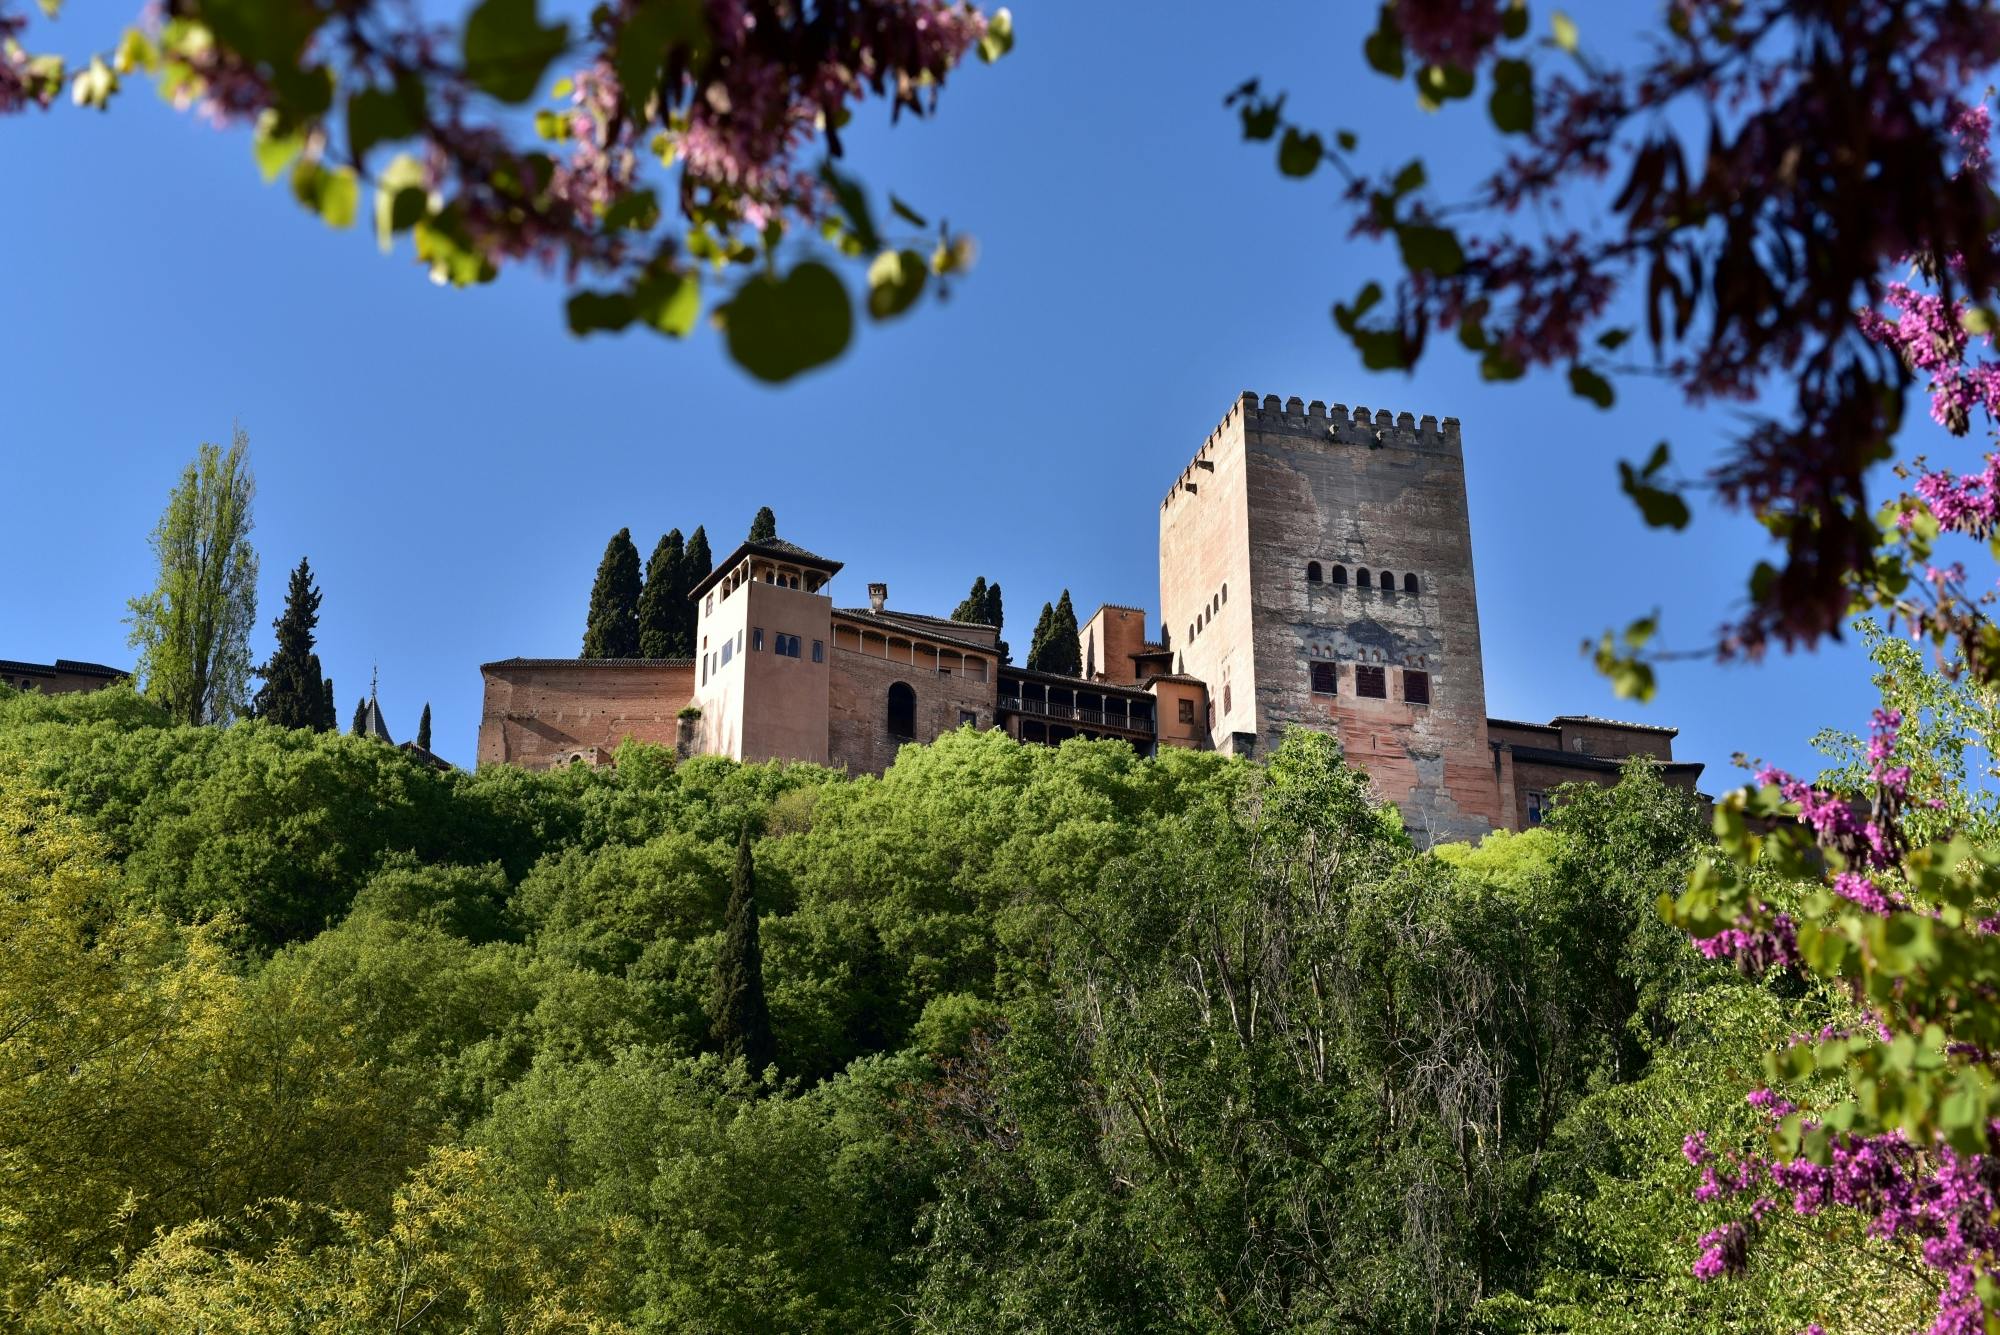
1316,569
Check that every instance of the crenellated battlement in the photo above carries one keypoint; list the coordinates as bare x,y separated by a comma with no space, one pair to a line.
1376,428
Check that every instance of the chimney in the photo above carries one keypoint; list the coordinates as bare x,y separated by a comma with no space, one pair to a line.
878,594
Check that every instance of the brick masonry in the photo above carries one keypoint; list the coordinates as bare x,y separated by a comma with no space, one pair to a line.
539,712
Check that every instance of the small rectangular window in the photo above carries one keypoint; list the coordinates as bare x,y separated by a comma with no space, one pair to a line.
711,604
1325,679
704,669
967,719
1187,711
739,641
1416,687
727,645
819,652
757,639
1371,682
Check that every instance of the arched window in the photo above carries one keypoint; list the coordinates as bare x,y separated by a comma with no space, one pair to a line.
1340,574
1361,577
1190,630
902,711
1215,604
1312,572
1389,580
1225,593
1409,584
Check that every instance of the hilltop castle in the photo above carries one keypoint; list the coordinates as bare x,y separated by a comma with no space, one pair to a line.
1315,570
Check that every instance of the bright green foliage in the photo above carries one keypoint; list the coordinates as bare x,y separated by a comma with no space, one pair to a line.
739,1022
764,526
298,1033
665,615
612,627
192,630
293,694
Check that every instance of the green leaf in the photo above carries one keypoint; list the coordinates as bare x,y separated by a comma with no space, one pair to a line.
853,202
999,38
400,199
668,301
1384,47
1428,249
1299,154
1445,83
274,32
94,84
906,213
1565,31
649,31
1412,177
333,193
1514,23
507,48
895,280
1345,316
779,327
1497,364
274,150
1613,339
374,116
1588,384
1512,105
1260,119
637,210
590,312
1976,320
1347,139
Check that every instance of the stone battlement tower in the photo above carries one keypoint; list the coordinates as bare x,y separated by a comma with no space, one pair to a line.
1316,569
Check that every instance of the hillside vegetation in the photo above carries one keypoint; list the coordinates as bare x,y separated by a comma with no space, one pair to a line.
297,1034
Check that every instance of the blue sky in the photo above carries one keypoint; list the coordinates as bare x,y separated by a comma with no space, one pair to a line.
453,462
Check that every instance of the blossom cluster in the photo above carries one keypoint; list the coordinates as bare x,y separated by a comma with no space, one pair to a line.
1947,1203
1928,333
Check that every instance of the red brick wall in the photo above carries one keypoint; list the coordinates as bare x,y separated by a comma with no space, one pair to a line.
858,709
533,715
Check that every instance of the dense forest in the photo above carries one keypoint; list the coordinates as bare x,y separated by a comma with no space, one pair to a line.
297,1033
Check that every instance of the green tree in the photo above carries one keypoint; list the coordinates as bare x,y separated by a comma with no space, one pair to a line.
293,694
764,527
424,728
327,717
695,567
739,1017
1038,646
661,601
359,724
612,630
982,607
193,630
1057,646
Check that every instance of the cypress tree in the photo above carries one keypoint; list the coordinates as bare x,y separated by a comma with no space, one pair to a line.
360,717
996,618
612,630
291,694
696,564
424,728
739,1019
1064,650
1038,647
763,528
329,714
659,604
973,609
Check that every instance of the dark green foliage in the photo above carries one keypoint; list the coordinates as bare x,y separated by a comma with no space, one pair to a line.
293,694
700,561
982,607
359,724
665,624
739,1017
424,728
612,628
764,526
1058,640
328,717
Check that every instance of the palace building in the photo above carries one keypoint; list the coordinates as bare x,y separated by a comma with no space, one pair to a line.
1315,571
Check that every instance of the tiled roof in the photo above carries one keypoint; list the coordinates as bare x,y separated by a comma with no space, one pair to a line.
1180,677
1075,683
1614,722
1541,755
1517,723
892,620
70,665
587,663
775,547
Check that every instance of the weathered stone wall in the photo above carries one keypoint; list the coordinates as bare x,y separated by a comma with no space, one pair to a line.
858,707
1610,738
538,711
